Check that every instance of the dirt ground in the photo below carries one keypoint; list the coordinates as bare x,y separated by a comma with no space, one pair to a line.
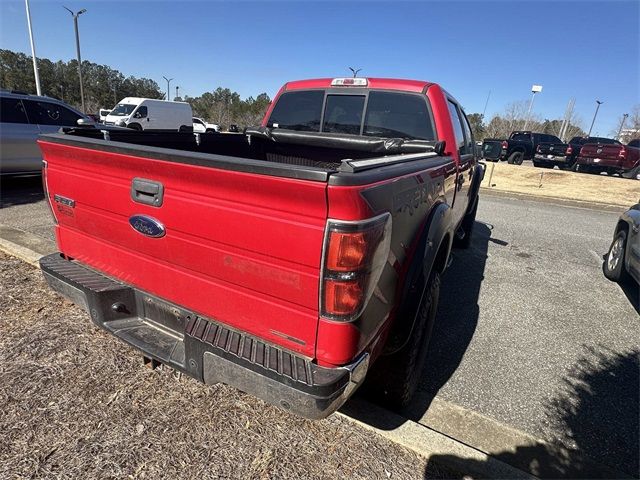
77,403
562,184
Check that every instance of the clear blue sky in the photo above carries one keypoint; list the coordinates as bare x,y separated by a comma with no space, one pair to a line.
583,49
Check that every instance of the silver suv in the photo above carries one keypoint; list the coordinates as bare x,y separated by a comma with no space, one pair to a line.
22,118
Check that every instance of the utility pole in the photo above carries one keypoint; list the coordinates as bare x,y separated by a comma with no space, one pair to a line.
624,119
485,104
75,26
168,83
33,49
568,114
594,117
177,95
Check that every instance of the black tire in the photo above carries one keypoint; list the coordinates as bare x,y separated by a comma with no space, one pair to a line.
135,126
210,130
393,379
516,158
613,266
467,224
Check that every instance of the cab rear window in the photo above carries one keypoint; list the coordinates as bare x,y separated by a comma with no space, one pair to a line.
382,114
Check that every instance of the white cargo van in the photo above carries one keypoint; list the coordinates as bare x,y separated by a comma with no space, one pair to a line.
149,114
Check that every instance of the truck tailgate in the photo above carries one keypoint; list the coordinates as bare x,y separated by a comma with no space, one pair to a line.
608,152
241,248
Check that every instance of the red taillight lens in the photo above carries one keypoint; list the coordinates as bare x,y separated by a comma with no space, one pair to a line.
623,153
355,255
346,252
505,144
569,150
45,189
342,298
538,149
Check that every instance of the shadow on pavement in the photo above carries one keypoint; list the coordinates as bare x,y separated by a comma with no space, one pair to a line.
454,327
20,190
632,292
599,412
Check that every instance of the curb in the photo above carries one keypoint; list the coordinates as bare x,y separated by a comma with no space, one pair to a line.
563,202
25,254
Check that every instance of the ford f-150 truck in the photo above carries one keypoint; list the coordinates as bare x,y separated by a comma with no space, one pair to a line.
290,262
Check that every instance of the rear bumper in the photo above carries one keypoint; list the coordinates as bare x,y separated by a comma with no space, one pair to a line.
599,162
202,348
556,160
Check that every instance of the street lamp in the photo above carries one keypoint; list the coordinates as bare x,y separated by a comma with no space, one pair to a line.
168,83
177,94
624,119
33,49
534,89
594,117
75,25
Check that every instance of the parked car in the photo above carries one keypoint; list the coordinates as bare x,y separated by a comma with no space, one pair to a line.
612,158
150,114
576,144
22,118
623,259
201,126
520,146
103,114
286,261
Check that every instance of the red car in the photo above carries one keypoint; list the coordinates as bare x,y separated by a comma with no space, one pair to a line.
290,262
611,158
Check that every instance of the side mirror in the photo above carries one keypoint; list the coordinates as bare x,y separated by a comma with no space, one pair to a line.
85,122
440,147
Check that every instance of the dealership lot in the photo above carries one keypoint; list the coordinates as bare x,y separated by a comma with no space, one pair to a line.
533,336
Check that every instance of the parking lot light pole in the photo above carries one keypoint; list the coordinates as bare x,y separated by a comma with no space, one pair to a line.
168,83
33,49
624,119
75,25
594,117
534,89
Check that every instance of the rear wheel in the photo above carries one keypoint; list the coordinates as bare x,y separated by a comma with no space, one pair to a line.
393,379
135,126
516,158
613,266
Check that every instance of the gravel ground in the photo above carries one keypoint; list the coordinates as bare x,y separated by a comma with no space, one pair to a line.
77,403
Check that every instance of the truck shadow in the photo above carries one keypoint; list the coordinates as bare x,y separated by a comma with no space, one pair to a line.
598,411
632,292
455,324
20,190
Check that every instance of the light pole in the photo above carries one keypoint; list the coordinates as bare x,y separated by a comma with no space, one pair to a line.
534,89
624,119
75,26
594,117
177,95
33,49
168,83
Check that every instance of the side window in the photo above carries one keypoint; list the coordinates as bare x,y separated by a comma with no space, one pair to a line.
12,111
467,133
343,114
457,127
45,113
142,112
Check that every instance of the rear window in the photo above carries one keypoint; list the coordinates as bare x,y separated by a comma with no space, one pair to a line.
634,143
298,111
12,111
387,114
343,114
521,137
398,115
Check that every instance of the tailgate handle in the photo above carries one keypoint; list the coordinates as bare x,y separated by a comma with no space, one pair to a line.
147,192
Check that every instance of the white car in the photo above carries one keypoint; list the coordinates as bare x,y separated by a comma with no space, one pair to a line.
201,126
149,114
103,114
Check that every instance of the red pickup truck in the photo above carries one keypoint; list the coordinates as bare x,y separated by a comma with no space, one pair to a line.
289,262
611,158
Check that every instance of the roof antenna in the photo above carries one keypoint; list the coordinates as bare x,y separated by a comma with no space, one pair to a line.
355,71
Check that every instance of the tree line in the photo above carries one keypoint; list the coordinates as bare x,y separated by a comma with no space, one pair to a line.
104,87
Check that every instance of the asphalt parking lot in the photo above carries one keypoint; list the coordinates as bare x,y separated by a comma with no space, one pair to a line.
529,332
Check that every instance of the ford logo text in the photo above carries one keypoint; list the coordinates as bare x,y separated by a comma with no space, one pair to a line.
147,226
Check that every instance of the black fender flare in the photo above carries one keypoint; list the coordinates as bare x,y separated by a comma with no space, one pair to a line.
478,176
428,244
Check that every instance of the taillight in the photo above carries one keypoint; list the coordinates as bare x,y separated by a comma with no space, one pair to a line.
354,256
569,150
538,149
45,189
505,144
623,153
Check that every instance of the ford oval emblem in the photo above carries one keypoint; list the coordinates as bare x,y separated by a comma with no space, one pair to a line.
147,226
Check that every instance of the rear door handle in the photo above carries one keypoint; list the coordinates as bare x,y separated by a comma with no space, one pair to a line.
147,192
